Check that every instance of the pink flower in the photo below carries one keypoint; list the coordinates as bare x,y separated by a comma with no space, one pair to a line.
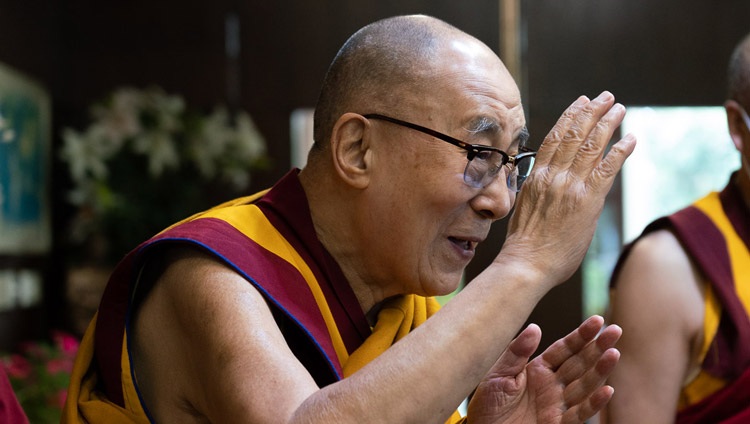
17,367
66,343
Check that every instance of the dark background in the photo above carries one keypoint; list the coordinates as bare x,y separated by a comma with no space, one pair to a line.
658,53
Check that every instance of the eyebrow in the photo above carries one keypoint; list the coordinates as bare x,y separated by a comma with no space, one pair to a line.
483,124
487,125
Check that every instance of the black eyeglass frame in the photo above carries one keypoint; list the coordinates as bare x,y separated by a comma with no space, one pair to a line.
472,150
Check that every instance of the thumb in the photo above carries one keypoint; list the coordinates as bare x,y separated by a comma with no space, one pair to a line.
517,354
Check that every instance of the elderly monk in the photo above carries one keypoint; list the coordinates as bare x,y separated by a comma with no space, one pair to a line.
311,302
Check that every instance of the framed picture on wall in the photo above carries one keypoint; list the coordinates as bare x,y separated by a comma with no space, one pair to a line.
25,149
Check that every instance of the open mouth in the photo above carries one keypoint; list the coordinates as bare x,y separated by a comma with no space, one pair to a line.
464,244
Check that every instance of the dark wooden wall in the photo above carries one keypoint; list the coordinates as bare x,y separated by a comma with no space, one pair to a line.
666,52
82,49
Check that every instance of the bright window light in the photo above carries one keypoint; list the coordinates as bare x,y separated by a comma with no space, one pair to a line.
682,154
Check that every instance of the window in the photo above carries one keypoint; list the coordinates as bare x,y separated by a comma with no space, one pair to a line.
682,154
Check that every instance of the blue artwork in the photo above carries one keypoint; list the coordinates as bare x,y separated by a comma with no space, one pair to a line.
24,165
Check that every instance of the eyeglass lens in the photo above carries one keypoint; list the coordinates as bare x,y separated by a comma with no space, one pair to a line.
483,168
520,172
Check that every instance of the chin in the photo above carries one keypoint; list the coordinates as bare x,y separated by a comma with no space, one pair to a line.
446,287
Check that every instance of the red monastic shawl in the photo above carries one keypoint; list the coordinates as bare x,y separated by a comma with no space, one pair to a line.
269,239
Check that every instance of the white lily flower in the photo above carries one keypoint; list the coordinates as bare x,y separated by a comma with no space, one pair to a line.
83,157
160,149
201,151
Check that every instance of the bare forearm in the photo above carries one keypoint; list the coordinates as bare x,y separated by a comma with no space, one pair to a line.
424,377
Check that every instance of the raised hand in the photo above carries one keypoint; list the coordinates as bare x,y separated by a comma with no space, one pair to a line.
565,384
556,212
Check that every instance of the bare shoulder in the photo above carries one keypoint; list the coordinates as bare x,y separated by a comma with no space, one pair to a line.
658,302
202,337
658,298
193,279
660,275
660,248
660,269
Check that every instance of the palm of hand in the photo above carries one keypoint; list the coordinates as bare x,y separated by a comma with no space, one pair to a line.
563,385
534,395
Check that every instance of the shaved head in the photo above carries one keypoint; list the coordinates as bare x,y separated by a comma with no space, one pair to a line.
739,73
377,66
374,184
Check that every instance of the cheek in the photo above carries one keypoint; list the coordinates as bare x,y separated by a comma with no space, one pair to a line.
438,167
417,181
409,220
416,191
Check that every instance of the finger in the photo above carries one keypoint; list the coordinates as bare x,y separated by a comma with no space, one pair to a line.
579,130
578,364
563,349
552,141
609,337
591,151
586,410
604,174
579,390
517,354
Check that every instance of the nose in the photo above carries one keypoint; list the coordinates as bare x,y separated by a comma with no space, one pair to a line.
495,200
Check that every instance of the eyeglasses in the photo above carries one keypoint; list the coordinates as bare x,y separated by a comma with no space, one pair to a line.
484,162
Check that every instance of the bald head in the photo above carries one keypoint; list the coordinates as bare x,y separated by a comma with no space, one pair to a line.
739,73
379,65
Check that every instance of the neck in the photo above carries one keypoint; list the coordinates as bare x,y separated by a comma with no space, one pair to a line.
331,210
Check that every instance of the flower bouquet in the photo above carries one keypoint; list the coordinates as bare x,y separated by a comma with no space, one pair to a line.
146,161
40,374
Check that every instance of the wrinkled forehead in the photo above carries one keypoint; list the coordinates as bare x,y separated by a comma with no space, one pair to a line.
465,82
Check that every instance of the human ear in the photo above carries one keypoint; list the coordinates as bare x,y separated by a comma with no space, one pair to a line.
736,123
350,149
